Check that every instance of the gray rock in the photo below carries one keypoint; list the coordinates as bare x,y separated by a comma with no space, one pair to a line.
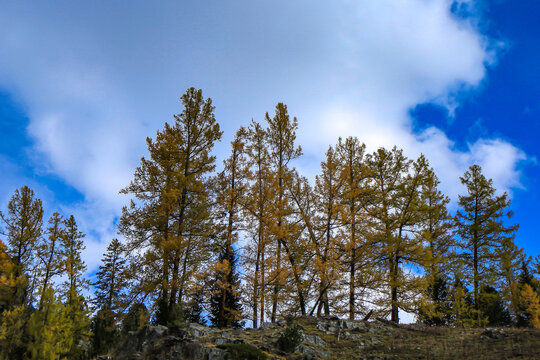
309,353
494,333
197,330
314,340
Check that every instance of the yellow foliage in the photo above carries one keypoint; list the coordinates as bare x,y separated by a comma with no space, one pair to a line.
531,302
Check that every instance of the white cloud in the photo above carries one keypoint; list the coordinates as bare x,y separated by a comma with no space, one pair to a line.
96,79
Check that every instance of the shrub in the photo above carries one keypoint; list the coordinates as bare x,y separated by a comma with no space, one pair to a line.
243,352
291,337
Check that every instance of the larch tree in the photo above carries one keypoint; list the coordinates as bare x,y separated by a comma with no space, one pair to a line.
231,188
435,231
48,252
328,192
22,226
395,213
481,228
72,244
256,205
355,232
281,136
170,223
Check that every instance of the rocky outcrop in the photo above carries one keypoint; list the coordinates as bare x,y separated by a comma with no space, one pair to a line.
325,338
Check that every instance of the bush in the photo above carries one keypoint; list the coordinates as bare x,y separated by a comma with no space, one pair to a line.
291,337
243,352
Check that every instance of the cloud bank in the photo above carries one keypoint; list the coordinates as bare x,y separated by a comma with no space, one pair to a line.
97,78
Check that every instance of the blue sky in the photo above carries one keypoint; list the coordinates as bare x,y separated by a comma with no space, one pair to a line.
83,83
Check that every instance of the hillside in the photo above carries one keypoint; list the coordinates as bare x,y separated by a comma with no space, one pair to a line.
330,339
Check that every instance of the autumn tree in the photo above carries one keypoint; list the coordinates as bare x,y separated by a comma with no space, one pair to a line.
231,188
281,136
256,207
481,228
355,197
395,214
169,224
328,191
48,252
76,307
23,223
435,231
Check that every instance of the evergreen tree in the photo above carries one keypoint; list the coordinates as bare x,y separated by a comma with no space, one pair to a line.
109,297
481,228
136,318
226,285
195,312
492,307
111,279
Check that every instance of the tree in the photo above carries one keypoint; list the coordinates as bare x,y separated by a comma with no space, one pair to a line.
395,214
7,280
355,232
281,134
256,207
48,252
73,266
136,318
22,226
50,329
435,231
328,191
492,307
109,297
481,228
231,187
170,223
111,281
531,304
225,286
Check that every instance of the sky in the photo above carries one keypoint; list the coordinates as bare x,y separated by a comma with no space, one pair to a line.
82,84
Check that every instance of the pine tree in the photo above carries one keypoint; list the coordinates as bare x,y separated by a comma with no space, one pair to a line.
136,318
111,281
170,223
492,307
22,225
481,228
109,297
225,286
